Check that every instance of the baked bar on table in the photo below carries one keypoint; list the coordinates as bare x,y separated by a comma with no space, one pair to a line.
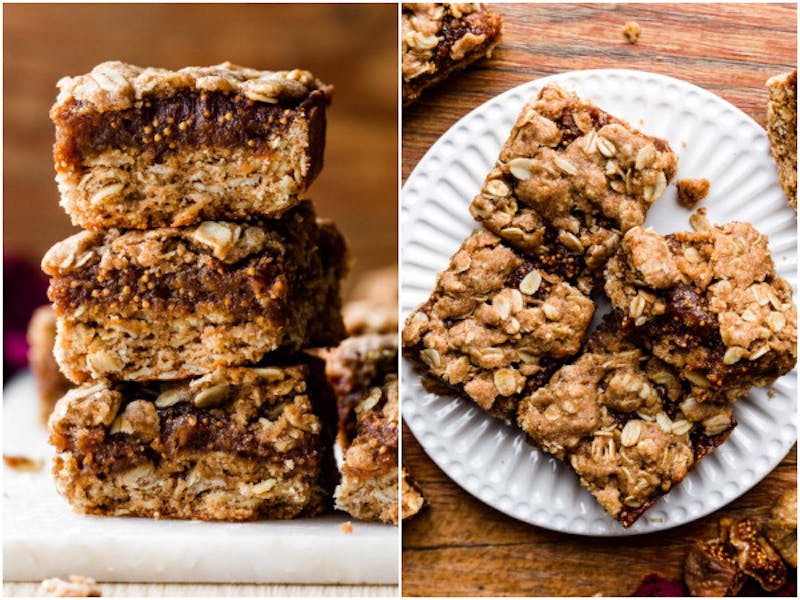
782,130
569,181
411,498
707,302
441,38
236,444
497,325
626,424
144,148
357,365
176,302
369,486
50,381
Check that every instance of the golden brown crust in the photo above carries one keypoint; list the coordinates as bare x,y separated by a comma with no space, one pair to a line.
632,31
412,499
441,38
372,305
692,191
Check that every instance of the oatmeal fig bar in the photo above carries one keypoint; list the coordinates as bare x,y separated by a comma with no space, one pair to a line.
625,423
177,302
237,444
358,369
439,38
144,148
50,381
708,302
370,476
496,326
356,365
569,181
782,130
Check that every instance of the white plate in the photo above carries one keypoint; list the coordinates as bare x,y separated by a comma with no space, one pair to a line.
493,462
43,538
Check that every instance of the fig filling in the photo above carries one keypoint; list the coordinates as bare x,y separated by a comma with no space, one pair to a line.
184,428
257,286
185,119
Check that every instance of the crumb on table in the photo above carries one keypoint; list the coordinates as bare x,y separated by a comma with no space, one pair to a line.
346,527
692,191
76,587
23,464
631,31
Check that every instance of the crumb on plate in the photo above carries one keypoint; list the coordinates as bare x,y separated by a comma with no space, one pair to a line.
692,191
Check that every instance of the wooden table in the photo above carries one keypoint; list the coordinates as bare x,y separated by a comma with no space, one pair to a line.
353,47
459,546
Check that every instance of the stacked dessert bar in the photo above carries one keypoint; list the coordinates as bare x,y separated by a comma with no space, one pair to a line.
185,304
363,373
699,317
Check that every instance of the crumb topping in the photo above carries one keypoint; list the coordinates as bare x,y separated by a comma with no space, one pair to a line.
114,86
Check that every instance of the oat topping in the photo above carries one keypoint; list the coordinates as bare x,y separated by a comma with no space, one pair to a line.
438,38
708,302
115,85
624,422
495,327
569,181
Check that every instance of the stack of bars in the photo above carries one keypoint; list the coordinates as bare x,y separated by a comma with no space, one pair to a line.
699,317
184,306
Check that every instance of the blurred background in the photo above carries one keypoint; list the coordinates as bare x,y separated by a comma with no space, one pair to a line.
353,47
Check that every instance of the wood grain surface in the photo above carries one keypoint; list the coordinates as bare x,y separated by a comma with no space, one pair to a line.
457,545
354,47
